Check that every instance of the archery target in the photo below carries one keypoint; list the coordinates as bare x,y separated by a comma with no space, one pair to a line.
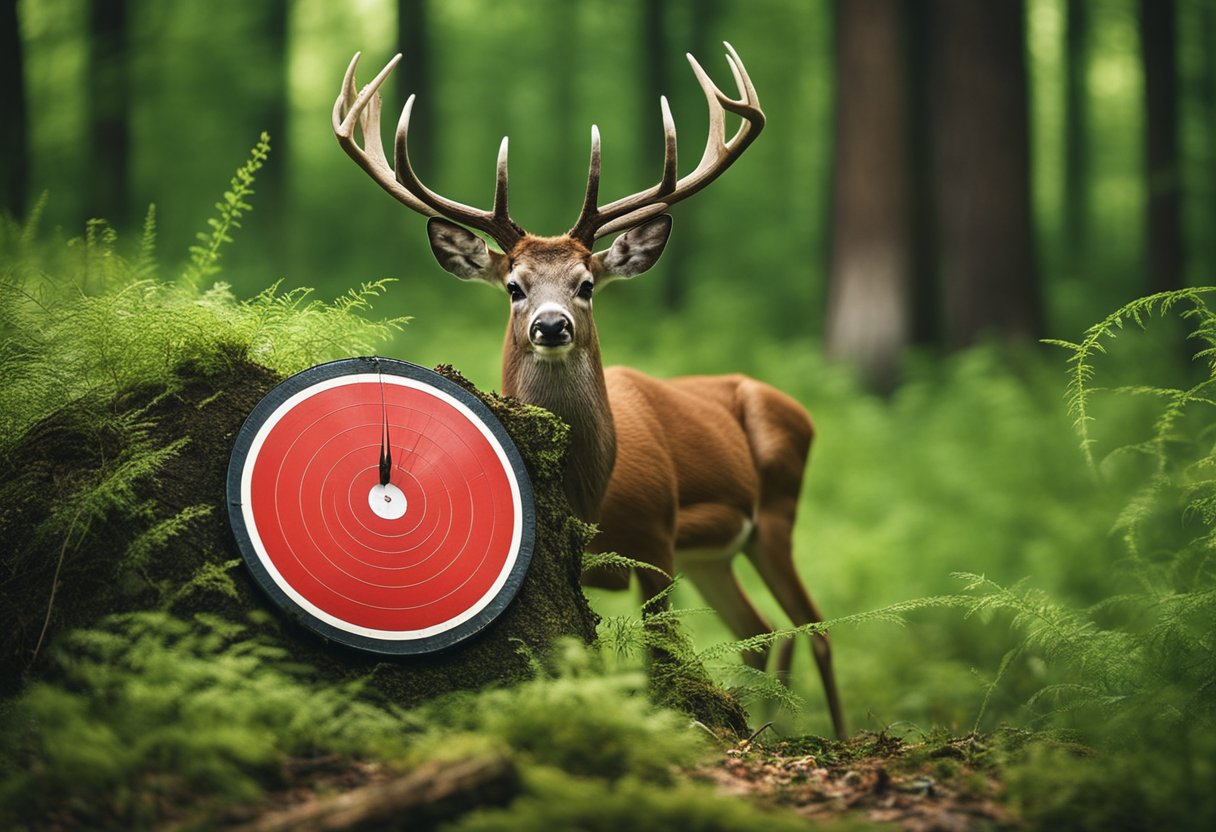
407,566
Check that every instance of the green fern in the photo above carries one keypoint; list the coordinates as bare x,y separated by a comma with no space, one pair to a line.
86,321
1143,660
1081,371
205,256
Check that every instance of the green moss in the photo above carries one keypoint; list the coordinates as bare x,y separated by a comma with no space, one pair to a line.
556,800
129,560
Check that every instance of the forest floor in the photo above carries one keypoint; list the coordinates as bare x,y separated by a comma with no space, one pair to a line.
940,783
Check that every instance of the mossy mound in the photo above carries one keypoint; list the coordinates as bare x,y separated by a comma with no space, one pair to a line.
116,506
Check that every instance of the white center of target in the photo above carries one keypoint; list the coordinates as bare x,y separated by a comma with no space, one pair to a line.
386,501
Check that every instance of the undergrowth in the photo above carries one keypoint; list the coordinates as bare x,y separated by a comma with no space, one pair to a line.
149,709
1140,662
152,717
86,321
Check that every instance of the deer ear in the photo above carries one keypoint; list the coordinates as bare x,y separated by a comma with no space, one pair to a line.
635,251
462,252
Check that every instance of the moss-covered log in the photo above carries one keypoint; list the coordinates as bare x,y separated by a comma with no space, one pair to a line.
119,505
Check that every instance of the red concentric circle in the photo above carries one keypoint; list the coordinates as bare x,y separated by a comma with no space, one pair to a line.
414,563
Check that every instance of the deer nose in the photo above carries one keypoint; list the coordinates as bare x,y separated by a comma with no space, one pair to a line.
551,329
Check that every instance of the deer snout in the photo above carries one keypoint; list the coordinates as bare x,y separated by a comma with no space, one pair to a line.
551,328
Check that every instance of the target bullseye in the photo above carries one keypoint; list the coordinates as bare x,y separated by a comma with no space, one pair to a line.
381,505
387,501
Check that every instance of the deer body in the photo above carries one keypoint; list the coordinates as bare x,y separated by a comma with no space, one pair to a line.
680,474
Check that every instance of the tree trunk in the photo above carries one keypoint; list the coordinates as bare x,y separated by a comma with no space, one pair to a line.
1207,28
982,171
14,139
414,78
1076,134
1164,208
869,312
109,93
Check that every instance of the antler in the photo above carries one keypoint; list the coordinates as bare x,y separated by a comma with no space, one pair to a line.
399,179
594,222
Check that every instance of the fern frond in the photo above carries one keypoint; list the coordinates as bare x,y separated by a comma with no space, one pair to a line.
205,256
596,560
749,685
890,614
1081,370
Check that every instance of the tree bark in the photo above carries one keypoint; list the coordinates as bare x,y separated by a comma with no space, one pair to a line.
869,317
14,138
981,140
109,94
1164,205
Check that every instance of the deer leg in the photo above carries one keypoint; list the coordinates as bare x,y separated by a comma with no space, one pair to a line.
716,582
771,552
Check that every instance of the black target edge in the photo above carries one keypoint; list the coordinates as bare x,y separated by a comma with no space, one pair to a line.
390,366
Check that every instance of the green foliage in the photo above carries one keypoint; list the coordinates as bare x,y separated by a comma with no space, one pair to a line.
1138,311
148,710
205,257
85,321
578,717
1141,662
556,801
148,703
1056,786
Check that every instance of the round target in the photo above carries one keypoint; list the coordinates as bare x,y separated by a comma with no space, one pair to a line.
381,505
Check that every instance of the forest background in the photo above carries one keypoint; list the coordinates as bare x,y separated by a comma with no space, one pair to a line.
941,185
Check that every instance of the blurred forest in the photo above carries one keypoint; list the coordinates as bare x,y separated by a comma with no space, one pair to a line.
933,173
942,185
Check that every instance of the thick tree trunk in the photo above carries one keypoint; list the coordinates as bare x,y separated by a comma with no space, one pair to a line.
109,94
1164,209
982,171
869,293
14,139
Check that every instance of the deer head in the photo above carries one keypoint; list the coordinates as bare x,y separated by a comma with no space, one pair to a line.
551,353
549,280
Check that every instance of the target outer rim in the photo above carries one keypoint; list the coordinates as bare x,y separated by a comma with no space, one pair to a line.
311,376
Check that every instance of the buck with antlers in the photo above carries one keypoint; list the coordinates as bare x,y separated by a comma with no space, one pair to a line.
682,474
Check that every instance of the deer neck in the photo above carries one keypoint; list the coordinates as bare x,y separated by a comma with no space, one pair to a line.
573,389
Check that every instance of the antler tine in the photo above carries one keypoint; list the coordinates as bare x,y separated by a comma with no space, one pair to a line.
363,109
399,179
500,183
668,183
584,227
719,154
496,223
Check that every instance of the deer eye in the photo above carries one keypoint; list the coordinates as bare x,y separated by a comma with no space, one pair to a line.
585,289
516,293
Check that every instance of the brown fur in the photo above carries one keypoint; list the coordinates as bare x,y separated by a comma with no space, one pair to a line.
679,474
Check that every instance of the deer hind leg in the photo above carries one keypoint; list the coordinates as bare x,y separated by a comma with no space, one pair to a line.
716,582
780,433
771,552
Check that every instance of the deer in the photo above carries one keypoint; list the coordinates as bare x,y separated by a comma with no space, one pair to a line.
678,474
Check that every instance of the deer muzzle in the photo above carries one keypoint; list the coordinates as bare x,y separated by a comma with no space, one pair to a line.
551,329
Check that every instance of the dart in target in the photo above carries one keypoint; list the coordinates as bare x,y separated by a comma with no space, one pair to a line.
381,505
